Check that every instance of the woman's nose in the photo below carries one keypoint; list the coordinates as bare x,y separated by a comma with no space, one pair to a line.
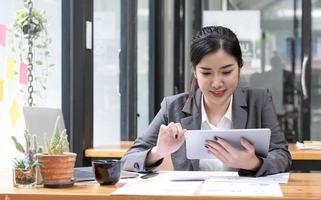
217,82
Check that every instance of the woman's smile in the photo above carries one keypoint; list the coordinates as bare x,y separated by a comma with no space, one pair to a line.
218,93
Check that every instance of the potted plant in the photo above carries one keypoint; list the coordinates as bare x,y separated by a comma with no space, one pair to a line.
25,168
57,165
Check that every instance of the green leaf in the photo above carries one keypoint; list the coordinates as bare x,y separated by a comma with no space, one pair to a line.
40,149
59,141
28,140
39,62
35,144
19,147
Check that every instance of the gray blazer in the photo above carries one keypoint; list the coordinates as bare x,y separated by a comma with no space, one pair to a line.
251,108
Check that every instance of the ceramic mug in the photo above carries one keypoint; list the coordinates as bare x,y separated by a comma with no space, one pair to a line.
107,172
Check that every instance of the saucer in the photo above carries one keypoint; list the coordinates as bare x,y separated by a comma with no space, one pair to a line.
59,185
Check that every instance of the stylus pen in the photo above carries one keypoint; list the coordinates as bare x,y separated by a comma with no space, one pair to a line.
149,175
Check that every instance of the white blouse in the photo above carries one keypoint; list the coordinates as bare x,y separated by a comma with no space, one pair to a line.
224,123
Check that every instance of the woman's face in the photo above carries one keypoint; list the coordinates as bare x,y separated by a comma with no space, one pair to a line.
217,75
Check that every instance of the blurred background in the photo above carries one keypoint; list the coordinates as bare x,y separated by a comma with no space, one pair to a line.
108,63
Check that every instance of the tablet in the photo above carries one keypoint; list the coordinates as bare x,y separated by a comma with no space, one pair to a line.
195,141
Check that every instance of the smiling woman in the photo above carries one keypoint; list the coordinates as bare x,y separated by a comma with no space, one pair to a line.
217,76
215,101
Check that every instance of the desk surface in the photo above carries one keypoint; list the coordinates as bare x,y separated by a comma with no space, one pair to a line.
299,154
109,151
118,150
301,186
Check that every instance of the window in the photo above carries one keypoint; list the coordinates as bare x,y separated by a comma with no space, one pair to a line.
142,66
111,69
106,72
13,71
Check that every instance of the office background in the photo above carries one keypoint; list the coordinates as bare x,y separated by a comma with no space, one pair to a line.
140,53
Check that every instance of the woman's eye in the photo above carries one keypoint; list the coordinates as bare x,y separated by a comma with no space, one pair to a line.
227,72
206,73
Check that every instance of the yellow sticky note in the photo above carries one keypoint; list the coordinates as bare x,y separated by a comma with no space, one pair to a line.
1,90
14,112
11,62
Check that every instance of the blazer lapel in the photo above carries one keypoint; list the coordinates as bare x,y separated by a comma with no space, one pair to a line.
239,109
192,121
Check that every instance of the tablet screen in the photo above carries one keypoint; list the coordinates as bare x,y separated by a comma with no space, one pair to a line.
196,139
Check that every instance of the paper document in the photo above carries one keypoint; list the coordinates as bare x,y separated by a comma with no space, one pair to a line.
276,178
315,145
189,183
220,176
159,188
211,188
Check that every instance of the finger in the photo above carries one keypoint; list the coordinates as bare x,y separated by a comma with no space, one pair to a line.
170,124
225,145
162,129
219,148
166,127
166,130
184,133
163,134
174,130
217,154
247,145
179,131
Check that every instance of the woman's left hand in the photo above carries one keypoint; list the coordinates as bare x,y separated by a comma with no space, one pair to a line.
233,157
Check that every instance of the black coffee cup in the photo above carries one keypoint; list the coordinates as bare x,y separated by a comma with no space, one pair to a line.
107,172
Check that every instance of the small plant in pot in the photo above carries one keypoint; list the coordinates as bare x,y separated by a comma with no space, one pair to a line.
25,168
57,165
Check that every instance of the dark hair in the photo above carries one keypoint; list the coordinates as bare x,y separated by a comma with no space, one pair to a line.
208,40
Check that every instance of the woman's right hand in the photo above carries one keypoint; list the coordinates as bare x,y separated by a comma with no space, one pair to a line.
170,139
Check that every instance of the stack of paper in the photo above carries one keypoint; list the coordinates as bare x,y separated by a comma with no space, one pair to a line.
315,145
210,188
159,188
192,183
219,176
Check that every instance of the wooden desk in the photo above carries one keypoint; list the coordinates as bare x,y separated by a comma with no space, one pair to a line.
305,160
301,186
109,151
298,154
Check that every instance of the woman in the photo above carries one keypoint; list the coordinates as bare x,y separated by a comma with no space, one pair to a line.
214,101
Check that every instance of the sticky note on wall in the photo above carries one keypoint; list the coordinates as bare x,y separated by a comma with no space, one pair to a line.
3,35
14,112
23,73
11,62
1,90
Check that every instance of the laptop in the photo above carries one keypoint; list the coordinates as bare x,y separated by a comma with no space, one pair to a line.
40,121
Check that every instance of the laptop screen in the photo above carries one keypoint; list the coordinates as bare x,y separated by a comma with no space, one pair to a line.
40,121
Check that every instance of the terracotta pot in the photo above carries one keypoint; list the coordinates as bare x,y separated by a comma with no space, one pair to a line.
57,169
